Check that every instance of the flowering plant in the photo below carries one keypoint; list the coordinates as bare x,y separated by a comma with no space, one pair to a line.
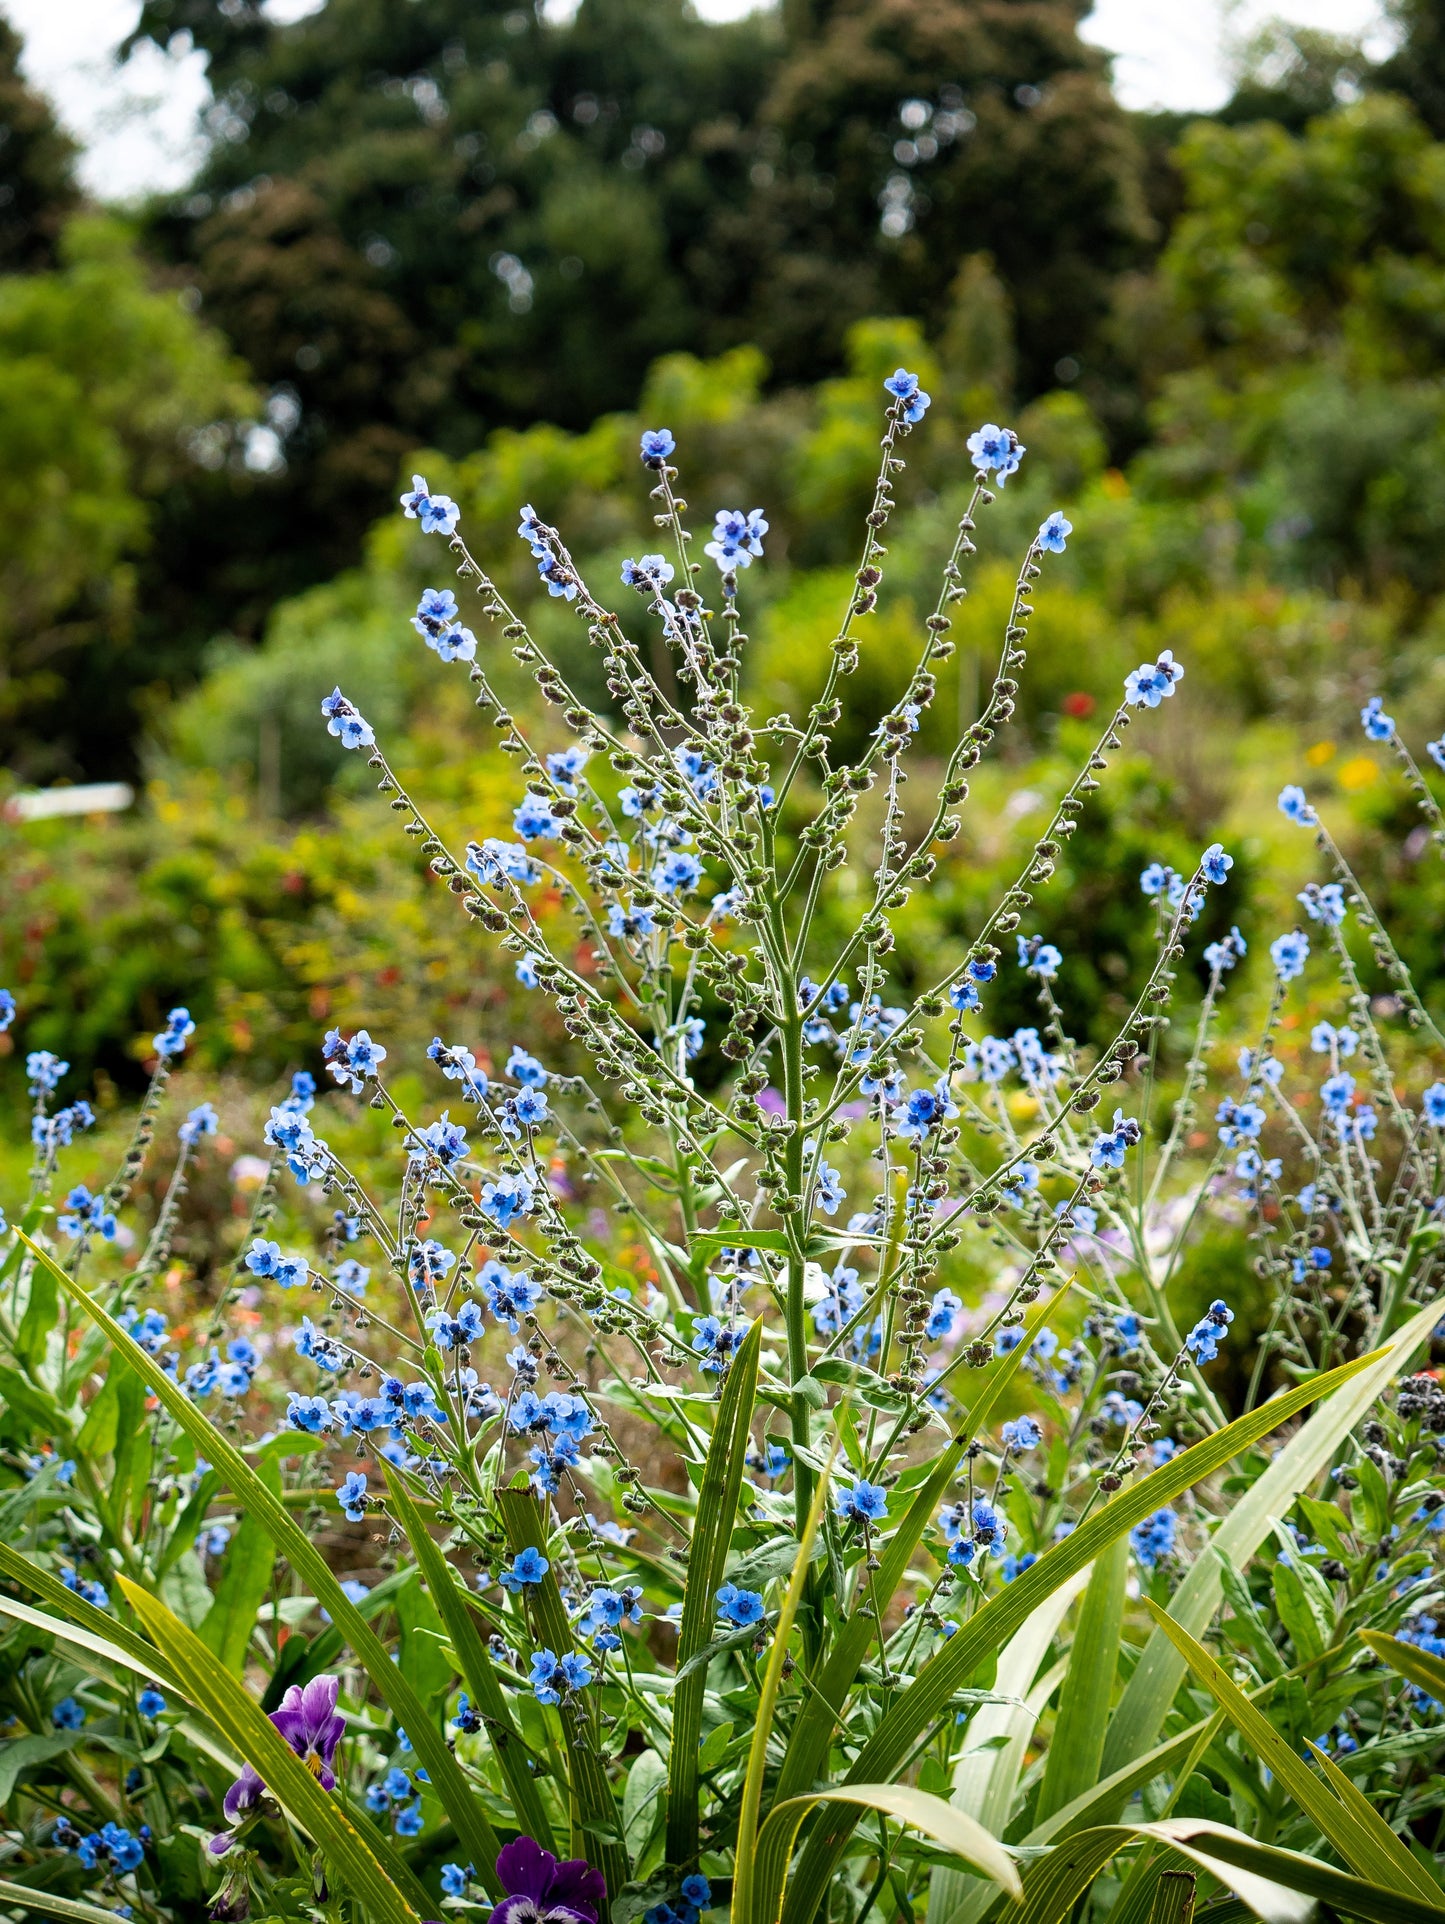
833,1354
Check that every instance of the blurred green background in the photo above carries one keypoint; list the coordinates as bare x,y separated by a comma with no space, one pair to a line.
454,237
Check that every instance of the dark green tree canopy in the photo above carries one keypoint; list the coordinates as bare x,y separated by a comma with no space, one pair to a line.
37,160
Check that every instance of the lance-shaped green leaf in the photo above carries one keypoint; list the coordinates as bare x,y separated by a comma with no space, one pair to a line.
1279,1886
1077,1744
477,1669
717,1508
245,1585
806,1756
946,1825
1346,1820
597,1829
51,1904
1144,1702
474,1832
1416,1666
917,1708
388,1895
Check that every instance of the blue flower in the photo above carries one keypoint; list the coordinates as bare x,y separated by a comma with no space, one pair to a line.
437,513
742,1607
7,1010
150,1703
829,1189
996,450
456,1332
1292,803
1153,1539
1223,955
1336,1092
865,1501
43,1071
678,874
525,1069
1379,726
172,1039
528,1566
533,820
507,1199
656,445
1023,1433
736,538
1204,1339
1323,902
1433,1103
941,1313
1215,864
1289,953
310,1413
351,1495
201,1121
650,572
1054,533
343,721
1158,879
456,1879
408,1821
908,397
68,1714
1040,958
1150,683
989,1528
697,1891
1436,751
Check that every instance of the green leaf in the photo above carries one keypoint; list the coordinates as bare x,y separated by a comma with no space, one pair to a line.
351,1858
714,1747
717,1508
1296,1613
804,1762
954,1829
1072,1765
30,1403
1416,1666
710,1245
1248,1623
1144,1702
423,1656
49,1904
642,1801
1348,1822
42,1313
475,1833
921,1705
594,1811
476,1666
245,1584
24,1753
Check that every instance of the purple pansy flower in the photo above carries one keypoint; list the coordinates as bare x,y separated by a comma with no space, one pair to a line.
542,1891
310,1722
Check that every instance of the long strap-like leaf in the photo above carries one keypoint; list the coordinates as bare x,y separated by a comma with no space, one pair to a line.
806,1756
474,1832
351,1859
476,1666
1350,1824
942,1821
1072,1765
717,1508
1416,1666
51,1904
926,1700
597,1833
1144,1701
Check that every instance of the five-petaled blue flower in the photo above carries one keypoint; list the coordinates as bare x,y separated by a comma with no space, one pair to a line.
865,1501
997,451
150,1702
1152,681
1023,1433
343,721
1379,726
1289,954
1294,805
657,444
909,398
1054,533
1215,864
351,1495
437,513
528,1566
742,1607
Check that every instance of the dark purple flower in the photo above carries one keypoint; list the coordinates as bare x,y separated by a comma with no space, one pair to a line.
542,1891
310,1722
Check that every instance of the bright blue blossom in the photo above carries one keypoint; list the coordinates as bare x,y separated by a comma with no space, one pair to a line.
1292,803
740,1607
1215,864
43,1071
172,1039
67,1714
1204,1339
865,1501
201,1121
437,513
1379,726
650,572
7,1010
150,1703
996,451
529,1566
657,444
351,729
1040,958
1223,955
456,1879
1150,683
1289,954
1054,533
1323,902
351,1495
525,1069
912,403
737,538
1023,1433
1433,1103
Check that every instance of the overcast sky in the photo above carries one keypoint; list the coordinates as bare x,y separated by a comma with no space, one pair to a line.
138,124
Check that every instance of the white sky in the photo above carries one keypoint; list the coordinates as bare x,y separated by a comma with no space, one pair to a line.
138,124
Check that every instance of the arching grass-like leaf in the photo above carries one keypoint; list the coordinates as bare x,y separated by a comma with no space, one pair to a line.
474,1832
920,1706
352,1859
